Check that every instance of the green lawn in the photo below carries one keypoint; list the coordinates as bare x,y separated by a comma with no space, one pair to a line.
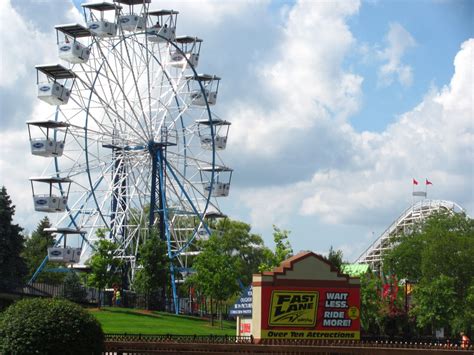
122,320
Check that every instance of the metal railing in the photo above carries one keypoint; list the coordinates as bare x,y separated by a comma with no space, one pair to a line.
179,344
172,338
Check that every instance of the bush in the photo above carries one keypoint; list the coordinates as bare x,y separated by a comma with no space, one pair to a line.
49,326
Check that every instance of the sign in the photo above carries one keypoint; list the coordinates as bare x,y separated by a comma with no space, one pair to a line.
243,306
317,313
295,308
245,327
309,334
305,298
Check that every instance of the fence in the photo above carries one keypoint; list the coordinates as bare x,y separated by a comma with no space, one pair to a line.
52,290
130,299
178,344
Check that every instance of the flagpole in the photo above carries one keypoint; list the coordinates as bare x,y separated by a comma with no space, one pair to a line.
427,182
412,197
426,188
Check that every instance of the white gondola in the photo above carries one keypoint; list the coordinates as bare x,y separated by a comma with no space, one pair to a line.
188,53
214,215
134,19
65,254
163,26
202,234
219,127
52,140
190,253
220,186
54,83
132,22
50,202
99,25
210,84
70,49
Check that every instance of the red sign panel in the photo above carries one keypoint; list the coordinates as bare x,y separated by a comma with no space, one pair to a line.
310,313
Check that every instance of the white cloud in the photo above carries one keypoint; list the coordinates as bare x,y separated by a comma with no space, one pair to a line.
209,12
28,38
303,80
399,40
433,140
18,44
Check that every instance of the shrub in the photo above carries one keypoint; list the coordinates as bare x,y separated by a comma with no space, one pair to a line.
49,326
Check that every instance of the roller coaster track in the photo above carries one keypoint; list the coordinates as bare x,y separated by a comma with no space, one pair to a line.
413,214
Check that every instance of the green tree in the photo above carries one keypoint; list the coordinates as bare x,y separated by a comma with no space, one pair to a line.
13,268
434,304
405,259
237,240
370,303
464,318
437,255
36,248
335,257
283,250
217,271
73,289
104,265
153,277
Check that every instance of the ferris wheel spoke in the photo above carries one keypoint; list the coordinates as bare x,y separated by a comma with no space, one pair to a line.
99,122
135,78
112,73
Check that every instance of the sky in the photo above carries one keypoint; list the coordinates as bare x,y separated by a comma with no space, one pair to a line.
335,107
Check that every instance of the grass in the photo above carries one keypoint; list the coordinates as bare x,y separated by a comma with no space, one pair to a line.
134,321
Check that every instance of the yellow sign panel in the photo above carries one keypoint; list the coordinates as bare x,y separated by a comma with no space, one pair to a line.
310,334
293,308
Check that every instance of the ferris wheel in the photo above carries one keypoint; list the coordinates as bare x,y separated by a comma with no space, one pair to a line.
131,146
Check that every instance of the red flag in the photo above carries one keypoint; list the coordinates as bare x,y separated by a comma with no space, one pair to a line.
415,182
428,182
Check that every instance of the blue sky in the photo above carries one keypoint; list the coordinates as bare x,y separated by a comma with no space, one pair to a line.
439,28
335,107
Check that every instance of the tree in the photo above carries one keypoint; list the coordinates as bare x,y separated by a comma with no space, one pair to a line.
282,251
13,267
104,266
152,278
36,249
370,302
434,304
73,289
335,258
437,256
237,240
217,271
